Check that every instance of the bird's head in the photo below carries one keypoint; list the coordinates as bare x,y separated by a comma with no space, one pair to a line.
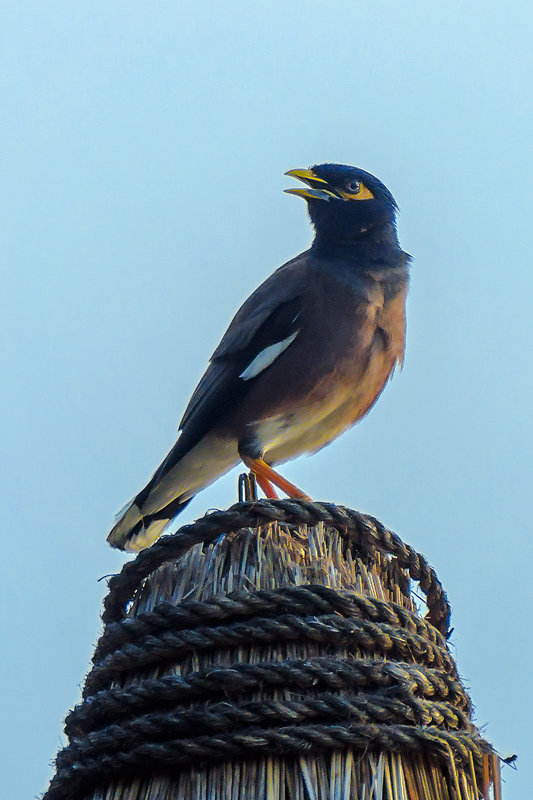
345,203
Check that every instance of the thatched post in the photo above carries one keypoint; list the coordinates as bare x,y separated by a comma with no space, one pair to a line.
275,651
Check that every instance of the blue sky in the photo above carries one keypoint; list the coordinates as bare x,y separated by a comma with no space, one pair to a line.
144,146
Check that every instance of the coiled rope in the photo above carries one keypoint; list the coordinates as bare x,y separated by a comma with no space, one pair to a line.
405,695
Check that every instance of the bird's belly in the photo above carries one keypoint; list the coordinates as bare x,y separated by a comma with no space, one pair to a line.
313,425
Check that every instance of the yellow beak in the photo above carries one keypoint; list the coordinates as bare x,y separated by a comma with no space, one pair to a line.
318,187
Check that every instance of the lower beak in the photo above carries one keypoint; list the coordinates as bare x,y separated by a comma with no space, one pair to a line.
311,194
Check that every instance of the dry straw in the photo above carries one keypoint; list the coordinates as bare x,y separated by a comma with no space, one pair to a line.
266,558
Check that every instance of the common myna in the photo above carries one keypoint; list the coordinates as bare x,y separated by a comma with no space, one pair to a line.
304,358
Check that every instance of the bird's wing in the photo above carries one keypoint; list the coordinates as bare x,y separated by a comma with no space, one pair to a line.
284,284
264,326
262,329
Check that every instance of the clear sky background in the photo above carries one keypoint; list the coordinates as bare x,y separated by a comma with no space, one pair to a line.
143,146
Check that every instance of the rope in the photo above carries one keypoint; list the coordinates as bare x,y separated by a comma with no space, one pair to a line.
408,680
310,599
162,757
223,716
404,696
171,647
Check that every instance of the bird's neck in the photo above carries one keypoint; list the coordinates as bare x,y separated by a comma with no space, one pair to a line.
356,244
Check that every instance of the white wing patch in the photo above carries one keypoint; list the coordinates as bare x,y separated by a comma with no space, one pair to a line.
267,357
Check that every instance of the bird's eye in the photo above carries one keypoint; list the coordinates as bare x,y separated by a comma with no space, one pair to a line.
353,186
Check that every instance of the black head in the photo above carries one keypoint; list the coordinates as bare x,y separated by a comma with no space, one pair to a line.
345,203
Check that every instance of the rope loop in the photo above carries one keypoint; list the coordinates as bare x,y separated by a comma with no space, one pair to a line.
360,530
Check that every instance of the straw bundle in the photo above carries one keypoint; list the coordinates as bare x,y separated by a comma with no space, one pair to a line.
269,557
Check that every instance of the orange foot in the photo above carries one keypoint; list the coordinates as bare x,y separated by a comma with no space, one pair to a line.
266,476
266,486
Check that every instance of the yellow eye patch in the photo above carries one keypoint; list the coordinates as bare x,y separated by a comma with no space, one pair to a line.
362,194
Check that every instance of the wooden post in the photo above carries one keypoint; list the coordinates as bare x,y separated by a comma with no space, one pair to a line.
276,660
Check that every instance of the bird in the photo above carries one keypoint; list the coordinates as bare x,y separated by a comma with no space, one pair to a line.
304,358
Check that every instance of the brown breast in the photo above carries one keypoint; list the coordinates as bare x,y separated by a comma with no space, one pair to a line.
334,371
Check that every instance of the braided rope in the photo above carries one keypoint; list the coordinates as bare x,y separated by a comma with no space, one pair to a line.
406,680
223,716
149,757
309,599
161,636
171,646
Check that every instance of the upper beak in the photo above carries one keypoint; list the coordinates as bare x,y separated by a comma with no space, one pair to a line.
316,189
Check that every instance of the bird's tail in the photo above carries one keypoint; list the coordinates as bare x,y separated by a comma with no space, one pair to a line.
134,530
182,474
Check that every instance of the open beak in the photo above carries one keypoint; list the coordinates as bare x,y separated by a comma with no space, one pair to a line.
316,189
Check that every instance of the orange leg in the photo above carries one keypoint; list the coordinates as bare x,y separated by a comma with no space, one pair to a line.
266,486
263,472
